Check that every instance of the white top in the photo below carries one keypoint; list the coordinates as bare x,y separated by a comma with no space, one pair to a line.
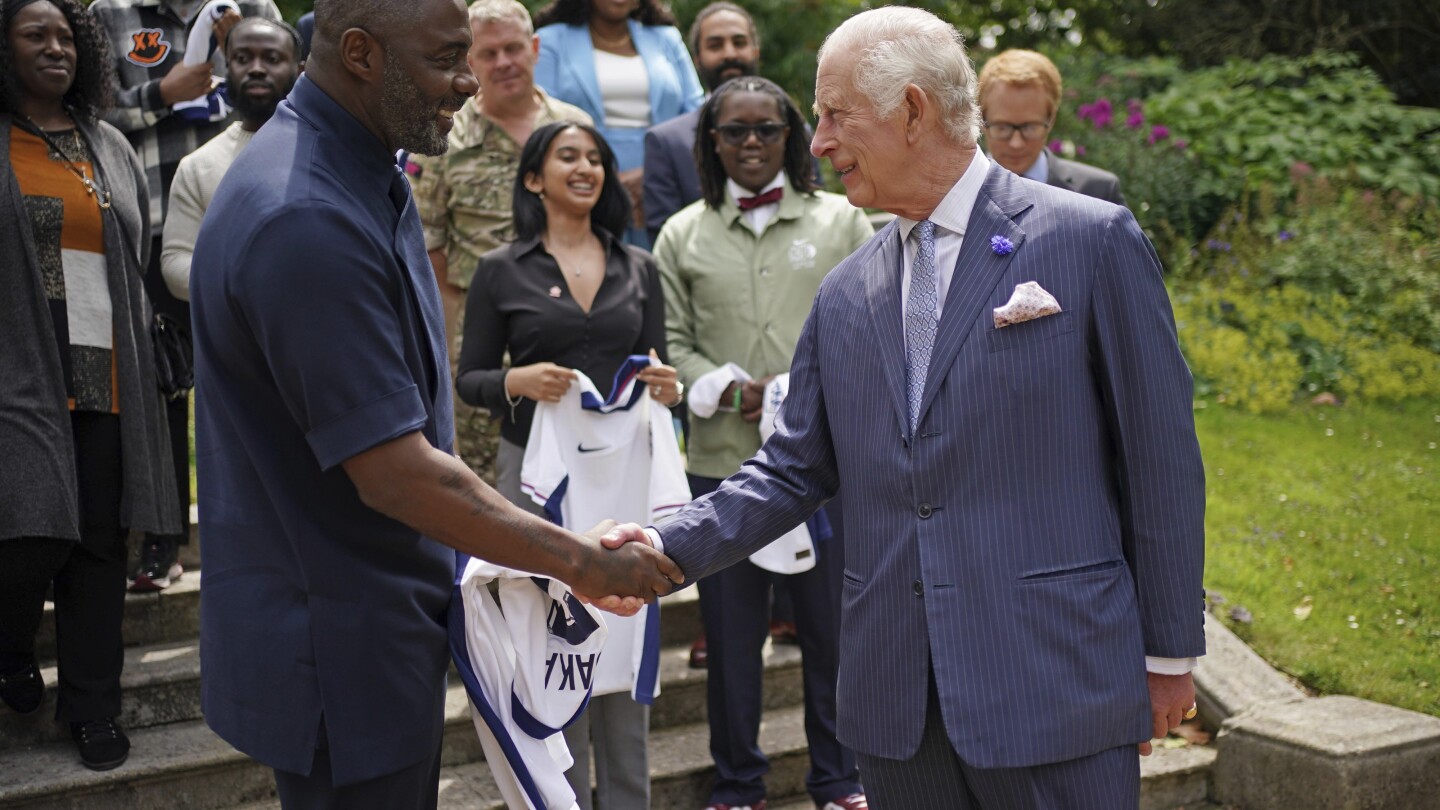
196,179
624,89
588,460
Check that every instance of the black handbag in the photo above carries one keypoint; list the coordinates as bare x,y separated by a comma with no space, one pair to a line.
174,356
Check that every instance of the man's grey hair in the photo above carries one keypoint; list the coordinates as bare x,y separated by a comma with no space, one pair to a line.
497,11
896,46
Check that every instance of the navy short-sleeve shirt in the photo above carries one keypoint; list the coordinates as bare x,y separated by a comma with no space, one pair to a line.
318,335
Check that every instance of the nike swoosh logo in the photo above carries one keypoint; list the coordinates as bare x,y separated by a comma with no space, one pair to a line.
582,448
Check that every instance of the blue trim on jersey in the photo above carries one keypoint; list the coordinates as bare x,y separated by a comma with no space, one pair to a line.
649,674
624,377
553,508
582,624
530,725
460,653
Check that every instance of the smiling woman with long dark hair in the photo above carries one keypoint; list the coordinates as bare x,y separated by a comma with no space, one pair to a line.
567,295
79,371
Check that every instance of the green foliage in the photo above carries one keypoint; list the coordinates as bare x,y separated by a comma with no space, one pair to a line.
1341,294
1320,523
1248,123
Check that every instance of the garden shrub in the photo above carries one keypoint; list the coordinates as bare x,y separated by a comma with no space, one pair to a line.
1341,294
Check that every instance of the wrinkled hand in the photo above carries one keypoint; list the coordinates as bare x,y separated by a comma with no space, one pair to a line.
631,573
1171,696
186,82
662,380
222,26
542,382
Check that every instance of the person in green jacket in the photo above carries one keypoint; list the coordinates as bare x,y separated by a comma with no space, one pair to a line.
740,268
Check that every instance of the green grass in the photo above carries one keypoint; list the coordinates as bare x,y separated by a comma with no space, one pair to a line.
1324,524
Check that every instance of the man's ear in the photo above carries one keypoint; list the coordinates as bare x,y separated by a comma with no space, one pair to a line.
918,108
361,54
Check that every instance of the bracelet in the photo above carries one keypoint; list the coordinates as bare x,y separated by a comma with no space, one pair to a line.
738,386
679,395
505,386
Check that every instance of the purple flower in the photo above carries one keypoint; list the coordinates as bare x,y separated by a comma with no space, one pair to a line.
1001,245
1134,120
1180,143
1055,145
1159,132
1216,244
1133,106
1079,150
1100,113
1286,236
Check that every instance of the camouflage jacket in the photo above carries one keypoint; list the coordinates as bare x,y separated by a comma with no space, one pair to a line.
464,195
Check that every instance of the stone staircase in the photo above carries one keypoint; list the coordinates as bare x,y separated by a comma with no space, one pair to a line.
176,762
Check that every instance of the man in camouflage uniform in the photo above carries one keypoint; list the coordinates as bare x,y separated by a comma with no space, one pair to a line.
464,195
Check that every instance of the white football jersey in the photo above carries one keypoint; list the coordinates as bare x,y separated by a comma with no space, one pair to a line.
527,659
793,552
589,459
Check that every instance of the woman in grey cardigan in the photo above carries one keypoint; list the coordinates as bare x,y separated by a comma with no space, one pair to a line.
84,455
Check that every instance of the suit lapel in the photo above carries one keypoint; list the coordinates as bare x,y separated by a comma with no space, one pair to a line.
882,291
582,65
977,271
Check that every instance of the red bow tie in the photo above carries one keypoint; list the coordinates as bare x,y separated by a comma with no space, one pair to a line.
771,196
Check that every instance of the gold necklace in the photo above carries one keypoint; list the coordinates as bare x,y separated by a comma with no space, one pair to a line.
605,42
101,195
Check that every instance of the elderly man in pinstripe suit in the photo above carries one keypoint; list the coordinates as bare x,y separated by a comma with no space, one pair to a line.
994,382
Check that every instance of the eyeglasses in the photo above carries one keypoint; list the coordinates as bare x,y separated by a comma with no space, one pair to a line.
1029,131
736,134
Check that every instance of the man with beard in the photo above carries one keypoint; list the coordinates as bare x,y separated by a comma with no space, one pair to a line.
263,61
725,44
331,505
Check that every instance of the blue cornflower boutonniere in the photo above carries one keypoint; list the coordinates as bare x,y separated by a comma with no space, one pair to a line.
1001,245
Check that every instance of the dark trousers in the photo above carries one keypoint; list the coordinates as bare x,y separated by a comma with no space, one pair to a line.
735,607
936,779
414,788
88,579
177,411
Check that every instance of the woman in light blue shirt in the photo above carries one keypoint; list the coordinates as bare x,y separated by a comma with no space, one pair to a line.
625,63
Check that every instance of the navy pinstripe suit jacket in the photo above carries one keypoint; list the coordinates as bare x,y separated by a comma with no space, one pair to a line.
1039,534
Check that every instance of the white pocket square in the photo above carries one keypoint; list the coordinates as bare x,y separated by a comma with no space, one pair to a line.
1028,302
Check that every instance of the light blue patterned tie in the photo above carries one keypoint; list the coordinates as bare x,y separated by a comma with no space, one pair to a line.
920,318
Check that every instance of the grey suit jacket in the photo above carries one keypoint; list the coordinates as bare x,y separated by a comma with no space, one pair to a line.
1087,180
1042,529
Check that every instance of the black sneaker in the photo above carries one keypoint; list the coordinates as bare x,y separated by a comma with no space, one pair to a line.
102,744
22,689
158,566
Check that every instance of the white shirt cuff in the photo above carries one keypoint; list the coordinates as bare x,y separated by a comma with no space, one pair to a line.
1166,666
706,392
655,539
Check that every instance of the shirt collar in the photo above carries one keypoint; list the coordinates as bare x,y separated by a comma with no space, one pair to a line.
354,148
1039,171
524,246
730,209
953,212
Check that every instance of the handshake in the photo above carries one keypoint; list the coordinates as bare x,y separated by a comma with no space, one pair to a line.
623,571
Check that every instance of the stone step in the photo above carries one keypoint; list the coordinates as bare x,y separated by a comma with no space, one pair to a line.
170,616
184,766
161,684
173,616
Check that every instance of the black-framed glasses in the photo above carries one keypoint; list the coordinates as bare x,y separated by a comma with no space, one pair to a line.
1029,131
736,134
